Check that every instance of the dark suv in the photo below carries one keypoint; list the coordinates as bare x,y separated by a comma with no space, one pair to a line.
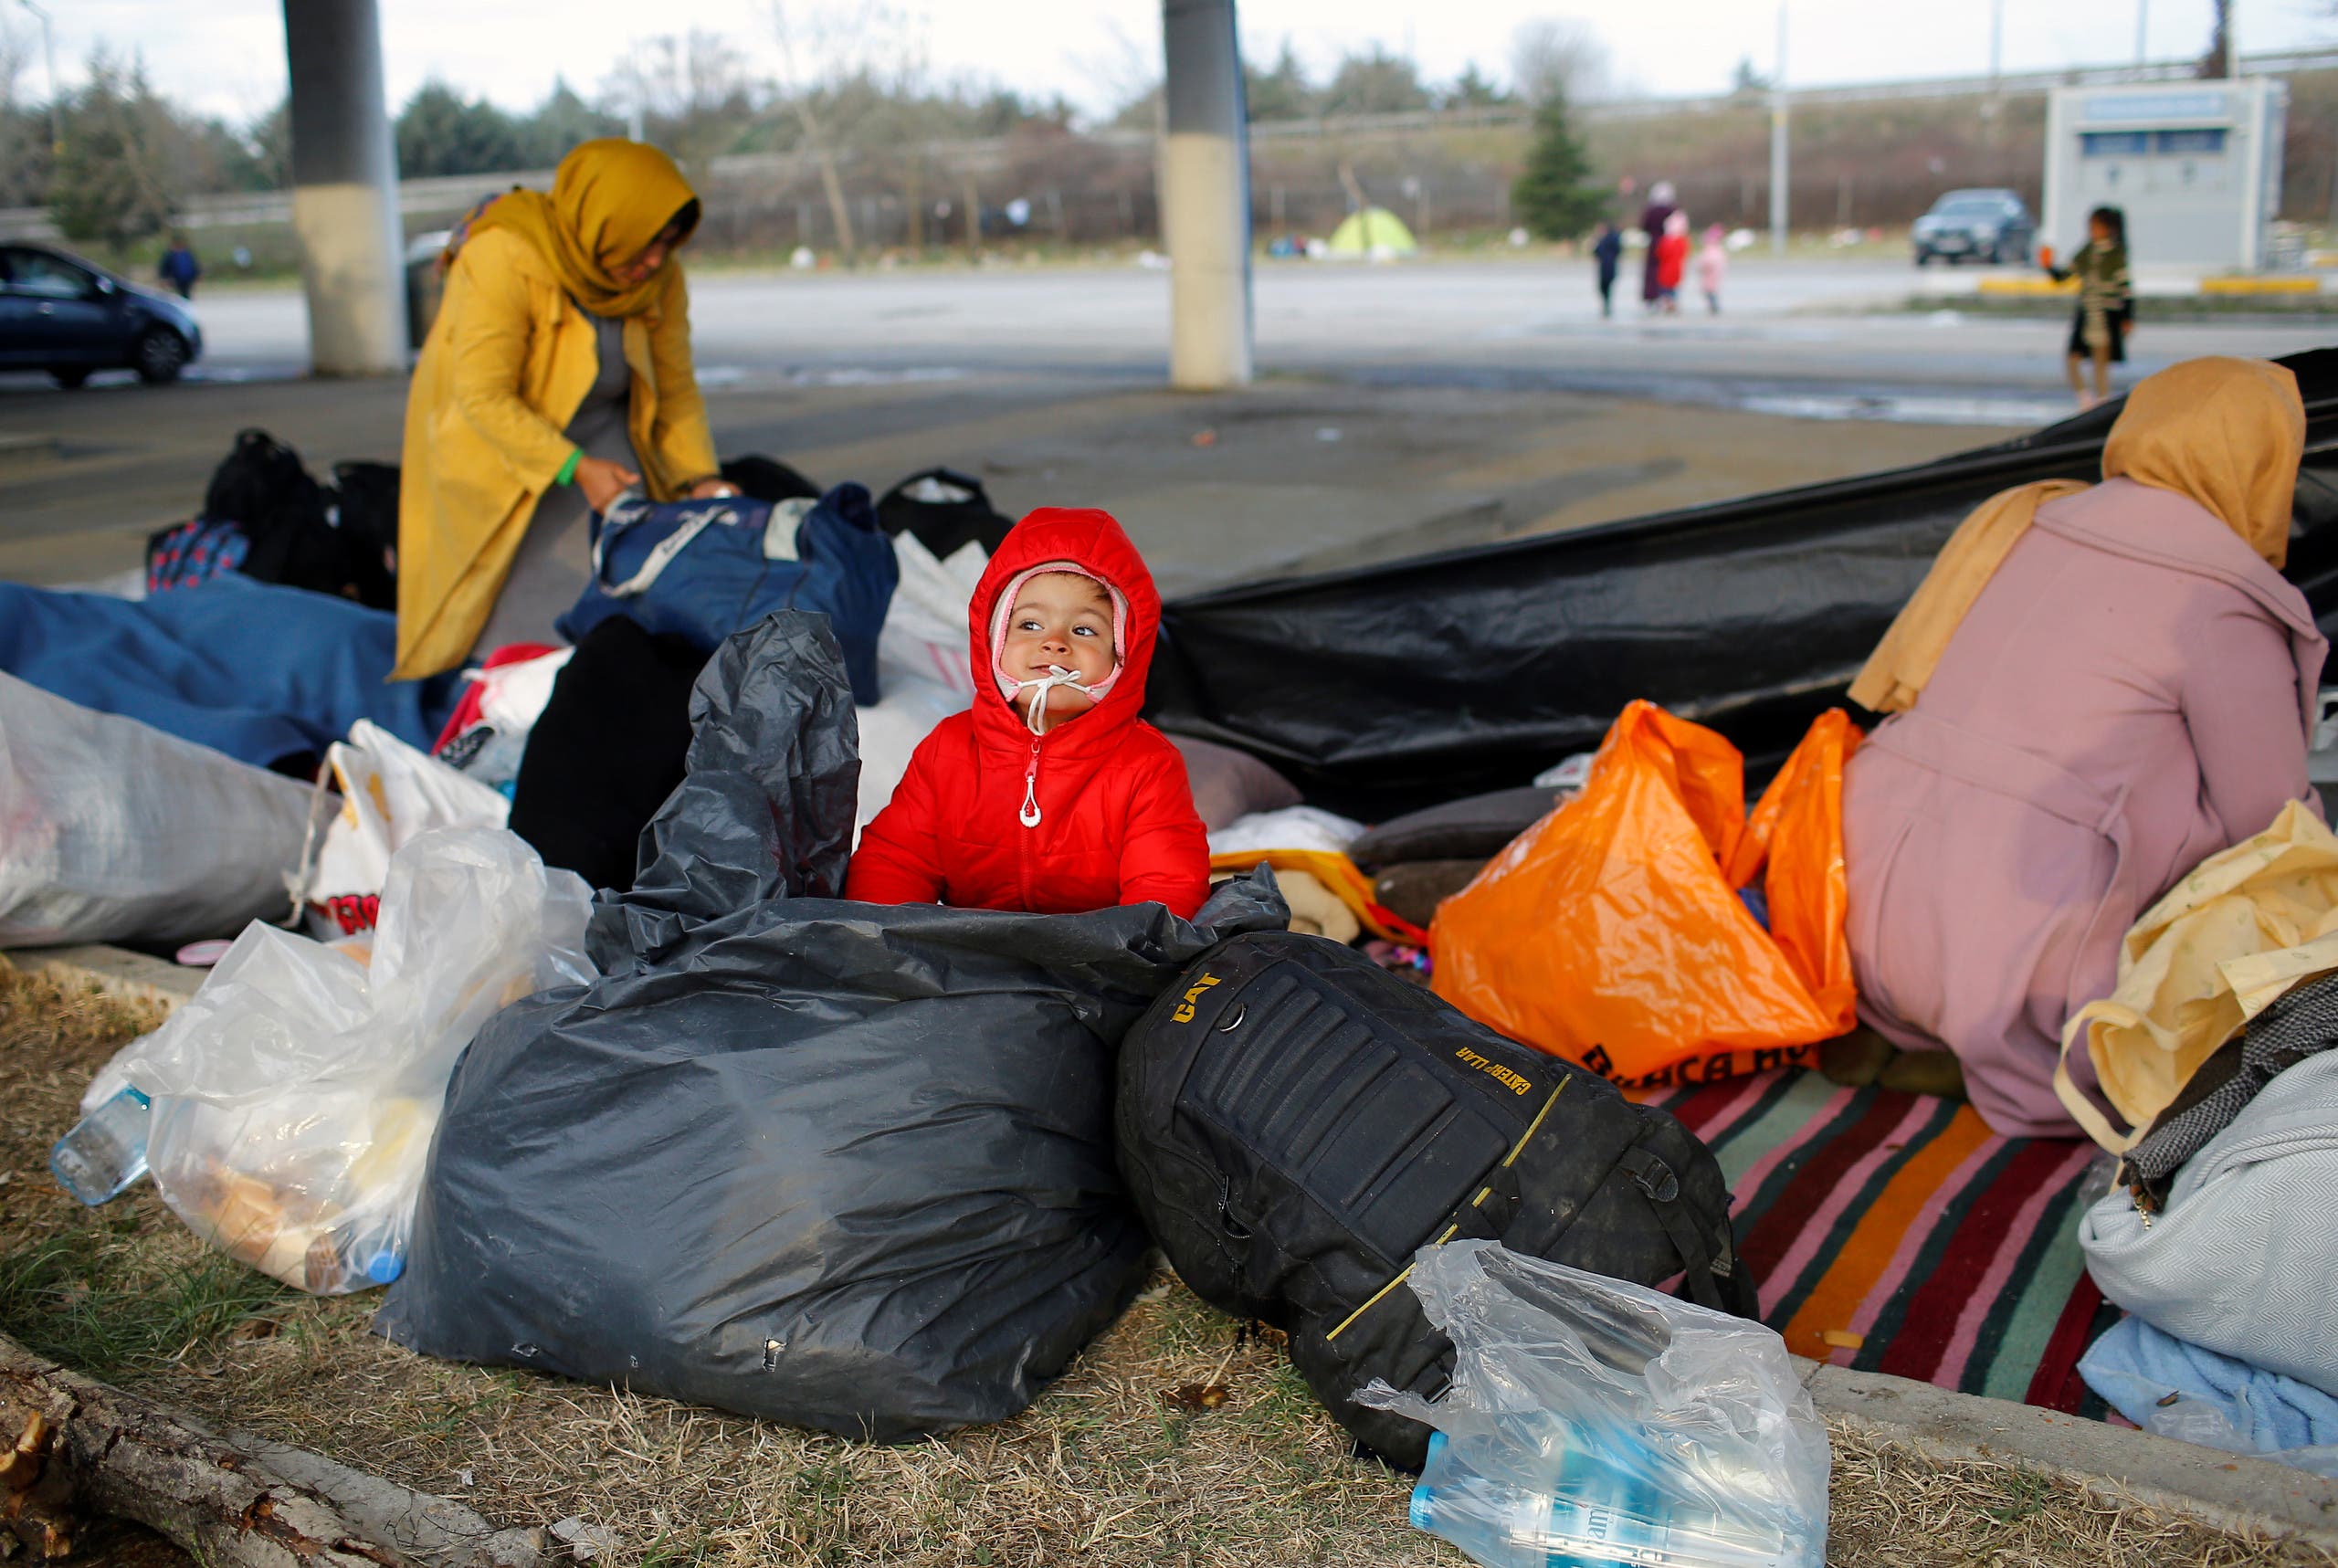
69,317
1988,225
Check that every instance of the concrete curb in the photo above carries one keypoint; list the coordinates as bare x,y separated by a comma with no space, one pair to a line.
131,975
2227,1491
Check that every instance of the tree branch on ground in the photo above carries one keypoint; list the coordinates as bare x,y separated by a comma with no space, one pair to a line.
71,1448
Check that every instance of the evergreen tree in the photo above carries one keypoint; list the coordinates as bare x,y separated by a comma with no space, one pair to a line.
1376,83
1473,89
439,131
1282,94
1552,197
560,121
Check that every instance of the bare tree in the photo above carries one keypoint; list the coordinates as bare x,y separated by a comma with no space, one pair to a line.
694,94
1557,57
834,54
24,135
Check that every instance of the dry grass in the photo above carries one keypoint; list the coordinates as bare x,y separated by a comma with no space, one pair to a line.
1103,1471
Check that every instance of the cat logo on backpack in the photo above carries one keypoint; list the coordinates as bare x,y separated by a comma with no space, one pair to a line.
1185,1013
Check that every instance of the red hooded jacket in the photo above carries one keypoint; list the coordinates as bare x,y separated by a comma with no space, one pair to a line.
1117,824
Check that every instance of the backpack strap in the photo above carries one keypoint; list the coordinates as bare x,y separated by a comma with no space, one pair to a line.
620,517
1706,1266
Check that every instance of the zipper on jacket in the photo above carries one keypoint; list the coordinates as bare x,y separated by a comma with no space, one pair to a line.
1029,817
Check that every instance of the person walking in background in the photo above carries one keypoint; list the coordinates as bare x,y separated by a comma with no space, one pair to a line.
1671,253
2106,311
1653,218
1607,250
1713,267
179,267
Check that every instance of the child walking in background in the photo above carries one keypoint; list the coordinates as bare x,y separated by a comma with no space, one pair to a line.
1713,267
1050,796
2106,311
1672,262
1607,250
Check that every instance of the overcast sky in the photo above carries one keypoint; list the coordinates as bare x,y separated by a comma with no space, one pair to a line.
228,56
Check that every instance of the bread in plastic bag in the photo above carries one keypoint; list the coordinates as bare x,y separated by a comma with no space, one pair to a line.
295,1094
1595,1421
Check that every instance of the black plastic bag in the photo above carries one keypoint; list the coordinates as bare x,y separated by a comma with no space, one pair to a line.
1386,688
842,1165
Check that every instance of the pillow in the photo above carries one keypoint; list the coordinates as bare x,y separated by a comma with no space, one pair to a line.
1472,829
1412,888
1228,785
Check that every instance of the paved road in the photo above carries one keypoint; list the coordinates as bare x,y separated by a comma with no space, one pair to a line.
1403,407
1812,338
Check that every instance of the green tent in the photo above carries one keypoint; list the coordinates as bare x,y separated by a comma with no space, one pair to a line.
1375,231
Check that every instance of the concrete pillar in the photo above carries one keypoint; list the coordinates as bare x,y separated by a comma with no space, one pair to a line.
345,189
1206,196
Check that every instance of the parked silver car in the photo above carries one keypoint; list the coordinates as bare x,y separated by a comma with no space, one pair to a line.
1985,226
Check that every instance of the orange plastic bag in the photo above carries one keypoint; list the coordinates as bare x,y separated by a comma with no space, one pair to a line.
1611,932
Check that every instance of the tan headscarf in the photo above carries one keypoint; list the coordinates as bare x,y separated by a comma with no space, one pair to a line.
2226,433
610,200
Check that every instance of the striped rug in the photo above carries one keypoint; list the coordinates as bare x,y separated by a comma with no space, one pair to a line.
1896,1233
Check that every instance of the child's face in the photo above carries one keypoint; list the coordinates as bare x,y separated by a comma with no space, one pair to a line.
2097,230
1060,618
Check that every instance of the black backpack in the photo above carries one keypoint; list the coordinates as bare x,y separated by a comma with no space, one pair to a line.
1295,1122
944,509
365,512
262,487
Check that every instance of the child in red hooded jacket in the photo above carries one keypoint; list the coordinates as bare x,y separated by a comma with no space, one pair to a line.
1050,796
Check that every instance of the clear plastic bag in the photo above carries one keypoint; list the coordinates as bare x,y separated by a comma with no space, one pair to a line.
1591,1422
295,1094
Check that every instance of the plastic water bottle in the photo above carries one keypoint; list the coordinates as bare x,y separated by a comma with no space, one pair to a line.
106,1150
1595,1514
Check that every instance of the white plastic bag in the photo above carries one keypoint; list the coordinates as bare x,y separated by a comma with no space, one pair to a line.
112,831
1593,1420
512,698
295,1094
922,664
390,793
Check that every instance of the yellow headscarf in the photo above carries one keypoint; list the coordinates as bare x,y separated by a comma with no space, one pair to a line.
608,201
2226,433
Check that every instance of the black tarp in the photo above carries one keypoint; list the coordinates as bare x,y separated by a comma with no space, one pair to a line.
843,1166
1386,688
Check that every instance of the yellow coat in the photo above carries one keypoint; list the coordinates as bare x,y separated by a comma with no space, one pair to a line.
507,363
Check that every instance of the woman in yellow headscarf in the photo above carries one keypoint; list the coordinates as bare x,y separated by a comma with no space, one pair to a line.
557,373
2097,687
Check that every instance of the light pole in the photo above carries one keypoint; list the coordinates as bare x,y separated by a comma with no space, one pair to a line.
1778,214
48,56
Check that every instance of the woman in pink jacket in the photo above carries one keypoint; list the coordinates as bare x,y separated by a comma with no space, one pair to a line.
2096,687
